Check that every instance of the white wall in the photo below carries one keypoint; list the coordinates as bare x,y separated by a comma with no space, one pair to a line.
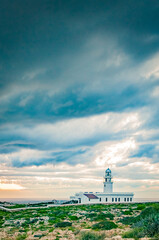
117,198
103,197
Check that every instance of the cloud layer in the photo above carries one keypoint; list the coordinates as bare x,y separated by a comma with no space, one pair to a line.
79,91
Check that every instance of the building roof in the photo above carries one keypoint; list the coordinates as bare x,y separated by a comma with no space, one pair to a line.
91,196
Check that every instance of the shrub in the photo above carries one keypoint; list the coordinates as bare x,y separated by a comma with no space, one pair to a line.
73,217
21,236
51,229
148,211
150,225
144,214
91,236
63,224
103,216
109,215
141,206
135,233
39,235
129,220
91,215
147,223
1,223
127,212
104,225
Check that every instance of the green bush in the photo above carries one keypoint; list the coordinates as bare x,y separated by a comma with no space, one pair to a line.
100,216
148,211
63,224
129,220
104,225
103,216
127,212
91,215
73,218
1,223
141,206
146,224
21,236
109,215
150,225
144,214
152,228
51,229
91,236
135,233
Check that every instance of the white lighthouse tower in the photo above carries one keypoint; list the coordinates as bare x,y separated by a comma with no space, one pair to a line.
108,184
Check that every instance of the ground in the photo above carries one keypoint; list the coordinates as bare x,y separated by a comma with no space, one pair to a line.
84,222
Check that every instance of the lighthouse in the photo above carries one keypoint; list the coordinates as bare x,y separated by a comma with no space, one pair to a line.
108,184
107,196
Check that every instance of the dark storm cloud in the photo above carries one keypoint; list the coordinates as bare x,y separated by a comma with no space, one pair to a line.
41,107
38,34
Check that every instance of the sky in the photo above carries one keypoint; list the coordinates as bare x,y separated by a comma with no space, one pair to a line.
79,92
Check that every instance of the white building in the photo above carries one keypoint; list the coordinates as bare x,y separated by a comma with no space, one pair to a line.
107,196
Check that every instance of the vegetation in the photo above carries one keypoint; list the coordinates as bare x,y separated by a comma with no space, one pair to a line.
21,236
63,224
145,224
82,221
91,236
134,233
104,225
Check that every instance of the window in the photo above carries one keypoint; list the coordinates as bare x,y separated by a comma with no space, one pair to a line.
112,199
106,199
128,199
118,199
79,200
124,199
89,199
100,199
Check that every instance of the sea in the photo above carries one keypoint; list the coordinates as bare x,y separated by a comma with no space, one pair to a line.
39,200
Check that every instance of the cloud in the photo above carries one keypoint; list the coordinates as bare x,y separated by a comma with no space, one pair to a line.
5,185
115,153
71,132
78,92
